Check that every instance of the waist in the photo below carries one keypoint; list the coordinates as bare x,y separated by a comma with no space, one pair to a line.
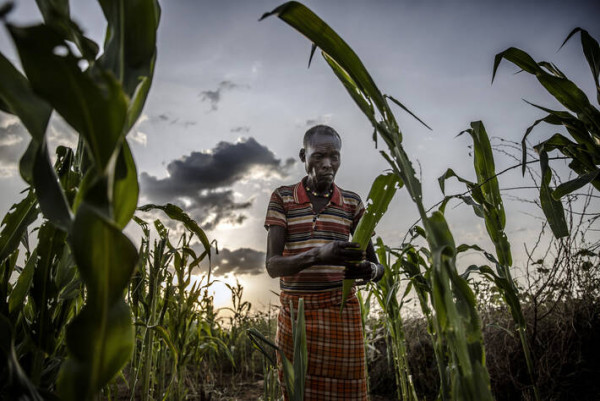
316,300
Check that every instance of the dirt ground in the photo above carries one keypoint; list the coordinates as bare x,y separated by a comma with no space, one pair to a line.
253,391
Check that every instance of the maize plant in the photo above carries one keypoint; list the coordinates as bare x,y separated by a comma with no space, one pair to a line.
487,203
88,198
581,120
456,319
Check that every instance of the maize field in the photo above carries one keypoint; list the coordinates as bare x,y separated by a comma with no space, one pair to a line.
87,313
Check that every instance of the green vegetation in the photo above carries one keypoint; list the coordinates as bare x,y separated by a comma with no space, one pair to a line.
86,315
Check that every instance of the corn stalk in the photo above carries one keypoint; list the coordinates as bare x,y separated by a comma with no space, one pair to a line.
456,318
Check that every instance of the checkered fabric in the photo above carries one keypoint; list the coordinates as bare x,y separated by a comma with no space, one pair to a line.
336,356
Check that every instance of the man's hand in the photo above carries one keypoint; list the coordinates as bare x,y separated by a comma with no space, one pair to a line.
340,253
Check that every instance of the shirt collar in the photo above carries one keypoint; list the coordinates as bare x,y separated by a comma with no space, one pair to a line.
300,195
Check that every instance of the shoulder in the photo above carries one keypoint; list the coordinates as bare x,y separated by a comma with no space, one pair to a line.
285,190
350,198
284,193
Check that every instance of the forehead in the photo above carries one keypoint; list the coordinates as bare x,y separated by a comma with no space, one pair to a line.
324,141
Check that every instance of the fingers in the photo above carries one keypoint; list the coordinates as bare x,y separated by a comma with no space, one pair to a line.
351,251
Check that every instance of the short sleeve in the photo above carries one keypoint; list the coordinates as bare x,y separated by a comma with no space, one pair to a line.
275,211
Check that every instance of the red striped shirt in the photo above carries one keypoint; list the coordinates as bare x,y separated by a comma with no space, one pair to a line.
290,207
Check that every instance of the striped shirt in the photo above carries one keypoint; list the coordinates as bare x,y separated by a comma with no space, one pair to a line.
290,207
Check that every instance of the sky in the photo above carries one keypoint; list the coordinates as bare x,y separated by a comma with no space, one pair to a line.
232,98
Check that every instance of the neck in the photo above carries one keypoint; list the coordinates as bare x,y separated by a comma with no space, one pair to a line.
316,190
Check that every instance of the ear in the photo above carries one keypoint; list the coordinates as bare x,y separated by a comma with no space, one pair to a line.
302,155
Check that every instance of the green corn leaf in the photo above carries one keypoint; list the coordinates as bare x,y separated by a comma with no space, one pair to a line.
563,90
107,265
18,98
552,208
176,213
318,32
56,13
493,207
591,50
130,48
92,103
403,107
100,345
50,195
517,57
456,316
125,187
573,185
353,90
300,352
21,289
382,191
18,385
15,223
574,126
100,338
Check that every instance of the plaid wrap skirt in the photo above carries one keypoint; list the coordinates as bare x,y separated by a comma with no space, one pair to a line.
336,355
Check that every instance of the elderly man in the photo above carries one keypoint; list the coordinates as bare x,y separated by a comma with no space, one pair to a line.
309,224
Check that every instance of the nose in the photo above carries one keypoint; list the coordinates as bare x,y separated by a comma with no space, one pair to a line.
327,163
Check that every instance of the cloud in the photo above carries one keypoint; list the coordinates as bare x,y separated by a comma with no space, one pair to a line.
323,119
13,142
239,261
243,128
201,182
14,139
214,96
165,118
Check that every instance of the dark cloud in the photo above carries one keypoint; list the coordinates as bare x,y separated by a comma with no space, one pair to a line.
239,261
166,118
201,182
243,128
214,96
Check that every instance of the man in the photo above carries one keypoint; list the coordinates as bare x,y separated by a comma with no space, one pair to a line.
309,225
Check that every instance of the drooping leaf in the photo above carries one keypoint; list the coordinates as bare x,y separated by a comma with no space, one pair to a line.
563,90
552,208
18,98
591,50
517,57
318,32
57,14
93,103
573,185
407,110
176,213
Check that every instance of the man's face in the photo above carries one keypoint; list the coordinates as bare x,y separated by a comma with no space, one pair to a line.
322,159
